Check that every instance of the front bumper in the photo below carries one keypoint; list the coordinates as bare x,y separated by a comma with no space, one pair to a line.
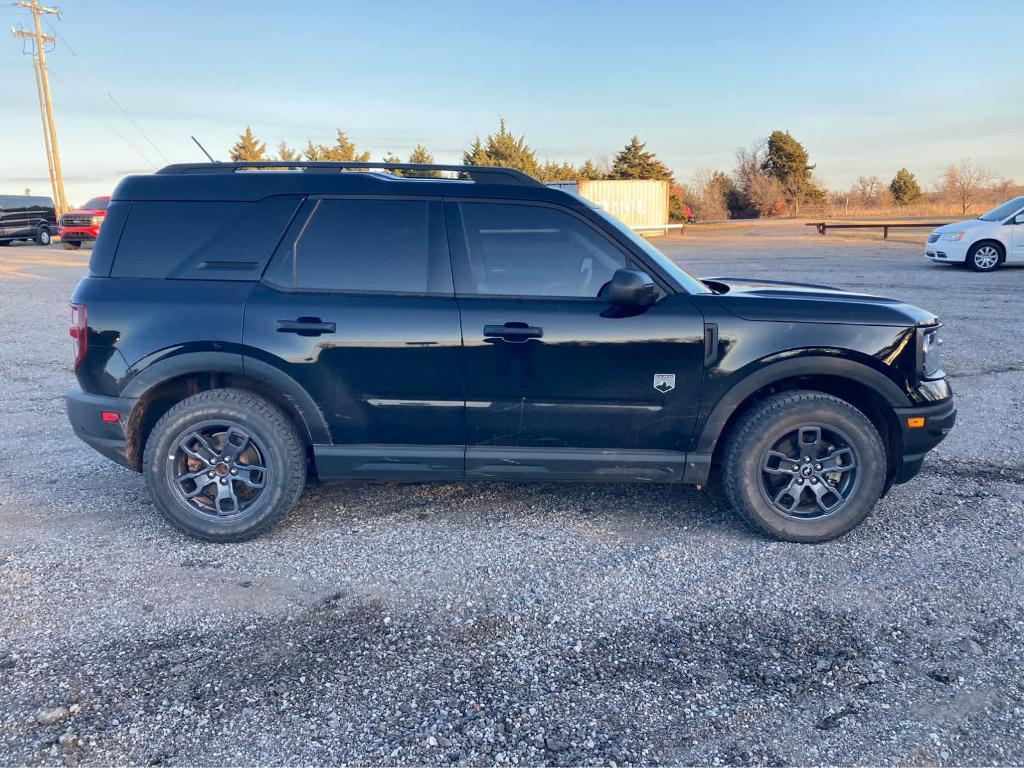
951,251
939,419
78,234
85,412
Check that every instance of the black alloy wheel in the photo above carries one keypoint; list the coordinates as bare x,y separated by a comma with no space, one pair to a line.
809,472
804,466
225,465
218,469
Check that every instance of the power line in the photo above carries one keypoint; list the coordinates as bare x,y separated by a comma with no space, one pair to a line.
137,127
91,108
92,73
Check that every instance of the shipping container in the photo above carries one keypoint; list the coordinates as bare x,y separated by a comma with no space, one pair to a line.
638,203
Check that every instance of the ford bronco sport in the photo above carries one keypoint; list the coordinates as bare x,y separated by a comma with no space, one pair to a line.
245,327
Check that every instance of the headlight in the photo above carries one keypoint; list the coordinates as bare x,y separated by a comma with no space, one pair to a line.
930,346
953,236
96,221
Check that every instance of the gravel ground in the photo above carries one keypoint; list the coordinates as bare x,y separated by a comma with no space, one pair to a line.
530,624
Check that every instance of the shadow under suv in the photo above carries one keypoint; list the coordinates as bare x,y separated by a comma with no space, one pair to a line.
244,327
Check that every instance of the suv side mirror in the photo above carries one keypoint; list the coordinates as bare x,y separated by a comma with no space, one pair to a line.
630,288
1019,218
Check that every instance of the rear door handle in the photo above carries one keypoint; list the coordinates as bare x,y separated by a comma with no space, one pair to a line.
305,326
514,332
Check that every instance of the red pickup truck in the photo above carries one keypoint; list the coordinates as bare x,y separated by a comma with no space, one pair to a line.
82,225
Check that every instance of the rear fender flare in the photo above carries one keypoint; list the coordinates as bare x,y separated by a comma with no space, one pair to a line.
233,363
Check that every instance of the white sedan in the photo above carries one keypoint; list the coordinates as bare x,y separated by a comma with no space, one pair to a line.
983,243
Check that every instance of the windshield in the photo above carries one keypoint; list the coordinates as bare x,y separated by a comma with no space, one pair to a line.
96,204
1003,211
689,283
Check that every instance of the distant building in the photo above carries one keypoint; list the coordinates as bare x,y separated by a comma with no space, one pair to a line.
641,204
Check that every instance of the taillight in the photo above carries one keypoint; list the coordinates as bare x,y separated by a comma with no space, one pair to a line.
79,332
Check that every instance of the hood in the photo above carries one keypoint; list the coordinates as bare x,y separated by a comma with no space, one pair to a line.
773,300
964,226
89,212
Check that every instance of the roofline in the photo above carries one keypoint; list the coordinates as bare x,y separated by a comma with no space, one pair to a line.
480,174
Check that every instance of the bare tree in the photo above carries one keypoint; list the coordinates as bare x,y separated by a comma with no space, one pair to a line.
710,195
750,163
761,192
962,183
1005,188
767,196
866,190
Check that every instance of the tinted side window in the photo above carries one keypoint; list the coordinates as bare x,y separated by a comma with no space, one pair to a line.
527,250
201,240
382,245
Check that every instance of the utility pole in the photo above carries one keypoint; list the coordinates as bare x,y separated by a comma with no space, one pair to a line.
45,100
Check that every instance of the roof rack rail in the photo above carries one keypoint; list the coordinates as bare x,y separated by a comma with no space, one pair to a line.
479,174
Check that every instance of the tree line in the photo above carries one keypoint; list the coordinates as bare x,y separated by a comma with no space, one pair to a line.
501,149
772,177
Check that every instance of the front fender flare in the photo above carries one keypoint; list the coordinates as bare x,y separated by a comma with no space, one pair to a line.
814,365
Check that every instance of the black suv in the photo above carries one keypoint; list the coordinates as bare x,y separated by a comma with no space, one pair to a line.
244,328
23,217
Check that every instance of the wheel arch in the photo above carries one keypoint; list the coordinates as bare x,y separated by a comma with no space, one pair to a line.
866,389
999,244
158,387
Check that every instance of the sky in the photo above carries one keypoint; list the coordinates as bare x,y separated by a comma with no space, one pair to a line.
867,87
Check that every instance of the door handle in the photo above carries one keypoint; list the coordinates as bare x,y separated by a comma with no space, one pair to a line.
513,332
305,326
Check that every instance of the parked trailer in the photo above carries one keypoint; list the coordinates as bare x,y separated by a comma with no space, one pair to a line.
641,204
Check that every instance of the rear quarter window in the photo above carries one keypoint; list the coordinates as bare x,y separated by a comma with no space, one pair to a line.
103,250
201,240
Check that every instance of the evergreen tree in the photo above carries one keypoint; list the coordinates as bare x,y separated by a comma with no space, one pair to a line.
635,162
503,150
590,171
314,152
475,155
391,157
904,187
729,192
287,154
248,148
421,155
343,150
552,171
787,161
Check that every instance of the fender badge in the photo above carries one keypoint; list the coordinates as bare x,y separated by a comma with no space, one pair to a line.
664,382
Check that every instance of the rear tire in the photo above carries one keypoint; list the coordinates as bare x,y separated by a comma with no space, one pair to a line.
985,256
43,235
72,246
804,466
224,465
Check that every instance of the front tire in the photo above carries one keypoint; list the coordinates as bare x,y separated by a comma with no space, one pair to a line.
224,465
43,236
804,466
72,245
985,257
